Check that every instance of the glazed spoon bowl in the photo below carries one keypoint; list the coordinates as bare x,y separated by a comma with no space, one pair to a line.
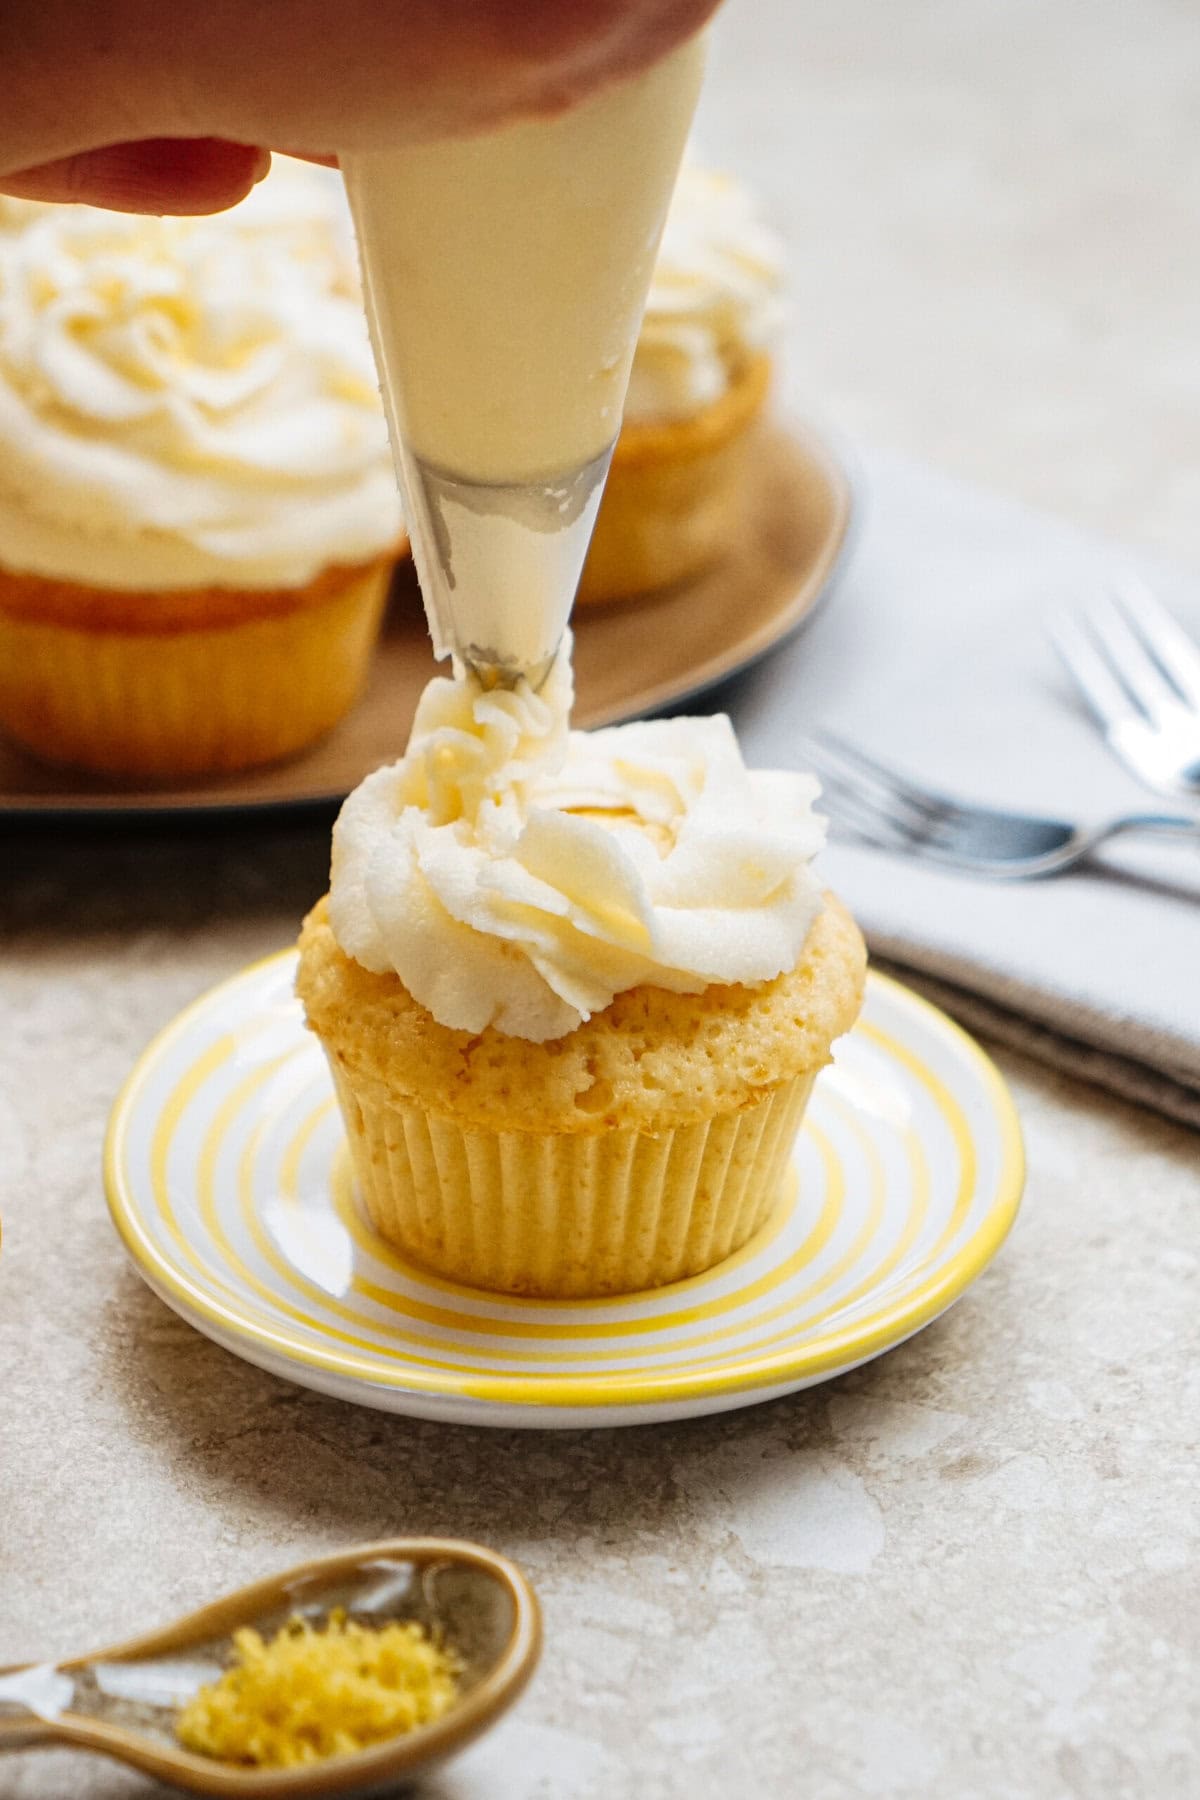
123,1702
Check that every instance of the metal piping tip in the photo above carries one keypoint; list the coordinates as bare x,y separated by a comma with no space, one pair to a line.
499,564
509,676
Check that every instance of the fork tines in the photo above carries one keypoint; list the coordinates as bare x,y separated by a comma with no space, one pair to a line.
875,802
1133,650
1139,672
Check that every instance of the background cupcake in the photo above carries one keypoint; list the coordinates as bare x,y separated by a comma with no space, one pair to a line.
198,513
699,379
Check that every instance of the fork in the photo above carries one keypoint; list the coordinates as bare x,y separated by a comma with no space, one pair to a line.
894,812
1140,674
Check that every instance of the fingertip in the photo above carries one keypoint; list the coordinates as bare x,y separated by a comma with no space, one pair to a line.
187,176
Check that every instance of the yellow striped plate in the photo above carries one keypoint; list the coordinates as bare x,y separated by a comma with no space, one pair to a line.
228,1180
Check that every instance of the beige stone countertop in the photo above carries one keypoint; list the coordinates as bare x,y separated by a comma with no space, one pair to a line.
965,1572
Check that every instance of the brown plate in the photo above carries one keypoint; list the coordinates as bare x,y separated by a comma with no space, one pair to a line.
633,658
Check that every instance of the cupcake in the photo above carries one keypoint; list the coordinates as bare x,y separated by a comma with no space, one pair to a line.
198,512
699,380
574,990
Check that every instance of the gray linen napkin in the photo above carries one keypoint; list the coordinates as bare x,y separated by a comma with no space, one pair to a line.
932,652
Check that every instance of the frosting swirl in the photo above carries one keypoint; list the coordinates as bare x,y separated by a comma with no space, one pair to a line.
190,402
716,298
15,213
517,874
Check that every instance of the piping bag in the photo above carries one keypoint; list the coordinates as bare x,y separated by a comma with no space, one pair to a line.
505,277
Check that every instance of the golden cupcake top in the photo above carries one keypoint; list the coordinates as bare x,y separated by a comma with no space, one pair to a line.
189,402
651,1061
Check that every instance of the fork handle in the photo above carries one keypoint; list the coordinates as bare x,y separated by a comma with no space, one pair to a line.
1181,825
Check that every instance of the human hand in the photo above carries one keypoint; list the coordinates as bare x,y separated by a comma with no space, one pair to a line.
144,106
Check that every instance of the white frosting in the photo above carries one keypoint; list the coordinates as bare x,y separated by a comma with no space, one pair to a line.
16,214
716,297
190,402
517,874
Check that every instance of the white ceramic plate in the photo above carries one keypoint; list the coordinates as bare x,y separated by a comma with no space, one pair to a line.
229,1182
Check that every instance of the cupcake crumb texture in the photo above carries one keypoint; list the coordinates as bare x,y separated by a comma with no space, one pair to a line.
652,1059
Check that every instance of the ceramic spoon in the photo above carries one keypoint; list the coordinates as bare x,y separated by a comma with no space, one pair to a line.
123,1702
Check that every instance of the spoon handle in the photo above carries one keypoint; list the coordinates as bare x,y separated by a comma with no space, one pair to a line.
24,1725
21,1729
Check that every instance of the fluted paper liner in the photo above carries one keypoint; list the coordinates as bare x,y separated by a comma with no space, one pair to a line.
170,704
569,1214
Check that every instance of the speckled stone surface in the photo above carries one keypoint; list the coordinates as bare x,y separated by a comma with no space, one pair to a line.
967,1572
